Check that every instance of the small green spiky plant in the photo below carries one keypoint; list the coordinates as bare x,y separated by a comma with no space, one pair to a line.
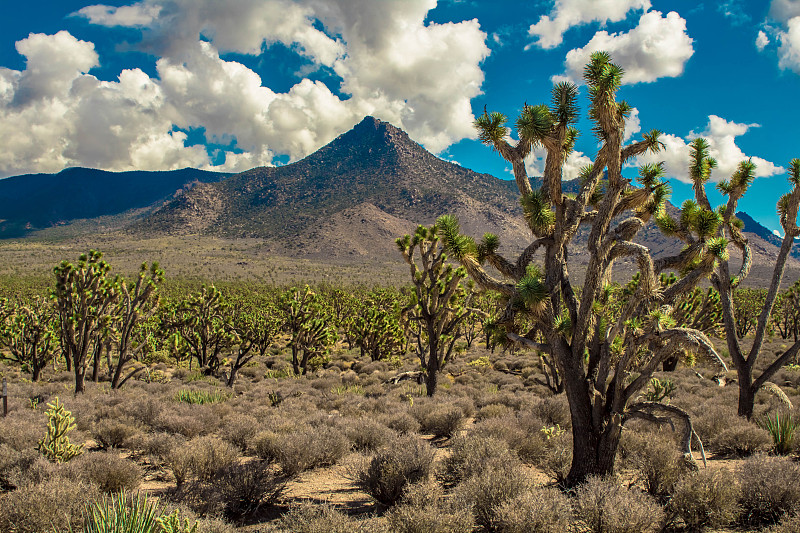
782,428
56,445
172,523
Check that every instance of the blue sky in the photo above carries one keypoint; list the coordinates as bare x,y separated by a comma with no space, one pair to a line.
161,84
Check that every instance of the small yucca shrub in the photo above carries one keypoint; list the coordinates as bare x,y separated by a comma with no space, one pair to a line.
200,397
121,513
781,428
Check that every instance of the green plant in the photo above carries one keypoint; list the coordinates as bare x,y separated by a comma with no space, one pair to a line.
56,445
659,390
781,428
201,397
120,513
440,302
172,523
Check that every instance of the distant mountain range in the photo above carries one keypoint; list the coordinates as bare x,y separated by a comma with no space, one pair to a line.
349,199
38,201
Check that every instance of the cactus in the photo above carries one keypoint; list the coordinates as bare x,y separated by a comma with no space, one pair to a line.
55,445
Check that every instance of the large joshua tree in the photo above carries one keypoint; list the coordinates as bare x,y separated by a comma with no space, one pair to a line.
606,341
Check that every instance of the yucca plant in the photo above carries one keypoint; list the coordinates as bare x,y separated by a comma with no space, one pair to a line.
782,428
121,513
200,397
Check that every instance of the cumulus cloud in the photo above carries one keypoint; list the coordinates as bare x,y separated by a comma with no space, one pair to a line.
549,30
789,49
721,135
54,114
761,40
657,47
389,60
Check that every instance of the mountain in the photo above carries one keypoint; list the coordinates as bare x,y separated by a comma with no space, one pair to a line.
348,200
37,201
353,196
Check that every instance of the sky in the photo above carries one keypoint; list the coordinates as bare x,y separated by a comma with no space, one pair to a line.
166,84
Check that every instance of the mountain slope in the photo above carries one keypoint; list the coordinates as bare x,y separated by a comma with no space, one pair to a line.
38,201
375,168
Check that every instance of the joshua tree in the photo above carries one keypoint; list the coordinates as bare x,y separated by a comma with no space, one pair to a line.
312,335
726,284
30,333
85,296
435,304
255,328
607,341
203,323
137,304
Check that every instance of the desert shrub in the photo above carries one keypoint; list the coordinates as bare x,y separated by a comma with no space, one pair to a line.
21,430
13,465
770,488
553,411
305,448
486,491
426,509
707,498
201,457
239,429
656,461
156,445
107,470
493,410
605,506
316,518
788,524
471,454
113,433
146,411
507,429
366,434
543,510
714,418
56,503
440,420
239,489
741,440
402,423
404,460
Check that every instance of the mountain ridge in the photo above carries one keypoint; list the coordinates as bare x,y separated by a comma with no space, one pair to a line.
350,198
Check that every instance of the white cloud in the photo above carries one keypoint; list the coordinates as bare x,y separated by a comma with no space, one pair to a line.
721,136
761,40
535,163
657,47
789,50
54,115
130,16
391,63
632,125
550,29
